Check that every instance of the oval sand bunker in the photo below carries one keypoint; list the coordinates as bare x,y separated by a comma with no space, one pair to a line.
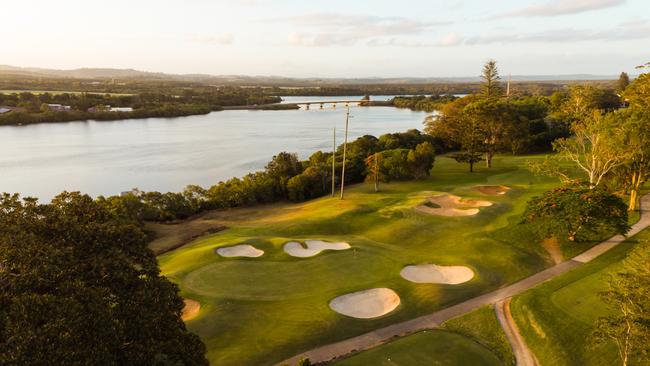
243,250
191,309
295,249
431,273
366,304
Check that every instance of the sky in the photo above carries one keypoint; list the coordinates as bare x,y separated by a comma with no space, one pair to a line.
334,38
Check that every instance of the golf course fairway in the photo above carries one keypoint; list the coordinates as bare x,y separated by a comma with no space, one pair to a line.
259,311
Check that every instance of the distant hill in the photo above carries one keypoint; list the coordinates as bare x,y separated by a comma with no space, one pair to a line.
108,73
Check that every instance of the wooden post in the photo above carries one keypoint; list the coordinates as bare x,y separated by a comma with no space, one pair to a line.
345,145
334,162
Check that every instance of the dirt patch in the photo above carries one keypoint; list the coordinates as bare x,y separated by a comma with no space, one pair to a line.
366,304
191,309
553,248
312,247
243,250
493,190
451,205
168,237
431,273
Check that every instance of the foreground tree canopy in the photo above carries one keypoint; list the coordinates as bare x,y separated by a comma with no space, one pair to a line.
79,286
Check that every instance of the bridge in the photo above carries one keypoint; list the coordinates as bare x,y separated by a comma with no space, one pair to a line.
346,103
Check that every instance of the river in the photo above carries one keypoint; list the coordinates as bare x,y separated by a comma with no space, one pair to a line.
166,154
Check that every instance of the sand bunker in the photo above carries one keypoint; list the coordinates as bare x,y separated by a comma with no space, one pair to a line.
243,250
191,309
431,273
450,205
492,190
313,247
366,304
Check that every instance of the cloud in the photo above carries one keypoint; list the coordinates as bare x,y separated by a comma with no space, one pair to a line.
626,31
448,40
331,29
561,7
215,40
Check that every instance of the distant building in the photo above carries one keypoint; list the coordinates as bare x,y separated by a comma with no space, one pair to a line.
59,107
4,110
120,109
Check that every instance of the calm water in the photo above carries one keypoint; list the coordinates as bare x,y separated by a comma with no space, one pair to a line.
166,154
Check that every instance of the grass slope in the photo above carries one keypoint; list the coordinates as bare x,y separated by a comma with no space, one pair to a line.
557,318
262,310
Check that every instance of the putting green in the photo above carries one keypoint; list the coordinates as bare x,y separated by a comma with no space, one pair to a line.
258,311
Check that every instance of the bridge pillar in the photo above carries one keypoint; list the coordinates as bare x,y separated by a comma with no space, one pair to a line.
321,106
334,105
307,106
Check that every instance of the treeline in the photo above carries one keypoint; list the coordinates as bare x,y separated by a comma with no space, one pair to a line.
33,108
401,156
481,125
422,102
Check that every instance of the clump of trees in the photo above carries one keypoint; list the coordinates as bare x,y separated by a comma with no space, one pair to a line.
423,103
159,103
79,286
577,213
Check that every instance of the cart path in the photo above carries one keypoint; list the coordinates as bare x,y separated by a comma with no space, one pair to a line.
523,355
384,335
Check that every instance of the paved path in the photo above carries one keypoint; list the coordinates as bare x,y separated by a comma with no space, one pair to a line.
523,355
380,336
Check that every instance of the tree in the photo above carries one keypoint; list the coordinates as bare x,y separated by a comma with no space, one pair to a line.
374,164
421,159
470,158
623,82
491,85
635,140
628,325
282,167
577,213
80,286
495,124
595,149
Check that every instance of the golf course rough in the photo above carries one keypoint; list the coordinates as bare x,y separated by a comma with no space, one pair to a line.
243,250
431,273
450,205
313,247
366,304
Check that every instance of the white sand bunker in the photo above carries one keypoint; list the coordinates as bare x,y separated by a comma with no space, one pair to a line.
313,247
243,250
431,273
366,304
493,190
451,205
191,309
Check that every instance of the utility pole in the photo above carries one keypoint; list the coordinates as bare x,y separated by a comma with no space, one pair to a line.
345,145
376,174
508,87
334,162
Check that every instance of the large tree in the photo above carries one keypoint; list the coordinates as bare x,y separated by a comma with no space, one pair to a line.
595,149
490,85
623,82
80,287
628,295
496,121
577,213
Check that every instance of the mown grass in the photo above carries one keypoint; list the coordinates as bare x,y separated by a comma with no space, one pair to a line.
433,347
557,318
262,310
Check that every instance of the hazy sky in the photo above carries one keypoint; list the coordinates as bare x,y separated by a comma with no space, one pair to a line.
334,38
